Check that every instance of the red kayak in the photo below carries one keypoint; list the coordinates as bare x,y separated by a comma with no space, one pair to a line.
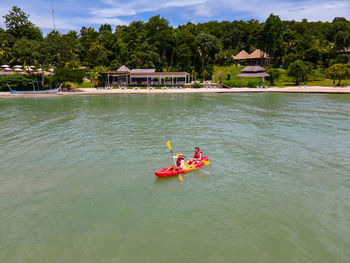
165,172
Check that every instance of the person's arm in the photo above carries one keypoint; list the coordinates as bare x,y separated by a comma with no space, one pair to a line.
201,156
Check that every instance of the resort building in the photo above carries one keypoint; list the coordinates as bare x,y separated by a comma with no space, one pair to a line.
253,72
256,58
144,77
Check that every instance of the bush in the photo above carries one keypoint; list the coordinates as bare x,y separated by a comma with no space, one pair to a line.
275,74
196,85
254,84
63,75
18,81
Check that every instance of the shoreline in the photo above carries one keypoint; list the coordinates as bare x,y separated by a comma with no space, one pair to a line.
93,91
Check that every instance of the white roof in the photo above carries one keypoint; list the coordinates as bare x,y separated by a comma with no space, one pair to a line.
142,70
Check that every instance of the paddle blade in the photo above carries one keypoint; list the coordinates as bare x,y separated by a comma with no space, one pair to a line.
180,178
206,162
169,145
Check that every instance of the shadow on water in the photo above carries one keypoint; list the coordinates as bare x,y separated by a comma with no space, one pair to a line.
166,180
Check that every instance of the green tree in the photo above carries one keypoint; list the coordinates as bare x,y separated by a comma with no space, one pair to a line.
338,72
160,35
105,27
272,37
58,48
65,75
96,55
25,51
207,46
18,24
6,43
206,75
274,73
298,71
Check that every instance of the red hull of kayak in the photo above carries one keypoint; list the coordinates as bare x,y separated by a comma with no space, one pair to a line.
165,171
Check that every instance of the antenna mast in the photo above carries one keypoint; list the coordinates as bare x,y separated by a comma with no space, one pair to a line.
53,18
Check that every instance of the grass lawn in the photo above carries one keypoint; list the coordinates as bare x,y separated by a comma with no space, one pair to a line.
85,84
229,76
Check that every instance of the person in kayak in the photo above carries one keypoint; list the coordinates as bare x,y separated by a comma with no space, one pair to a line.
180,162
198,156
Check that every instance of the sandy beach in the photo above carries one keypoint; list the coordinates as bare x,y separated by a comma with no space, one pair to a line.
93,91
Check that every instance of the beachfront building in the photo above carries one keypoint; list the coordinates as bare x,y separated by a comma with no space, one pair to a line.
253,72
145,77
256,58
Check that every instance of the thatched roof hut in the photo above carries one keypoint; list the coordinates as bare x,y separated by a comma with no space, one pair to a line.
253,72
241,55
258,54
257,57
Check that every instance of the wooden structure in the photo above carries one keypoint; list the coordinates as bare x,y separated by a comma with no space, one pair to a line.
253,72
256,58
145,77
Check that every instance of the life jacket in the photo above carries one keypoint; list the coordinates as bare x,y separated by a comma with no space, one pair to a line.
178,161
198,154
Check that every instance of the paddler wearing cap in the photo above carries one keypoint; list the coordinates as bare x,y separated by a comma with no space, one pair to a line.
180,162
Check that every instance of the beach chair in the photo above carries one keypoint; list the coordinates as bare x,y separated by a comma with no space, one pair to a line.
210,87
305,86
214,87
206,87
180,87
266,87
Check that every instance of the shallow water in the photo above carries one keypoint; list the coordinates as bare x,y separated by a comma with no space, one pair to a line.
77,182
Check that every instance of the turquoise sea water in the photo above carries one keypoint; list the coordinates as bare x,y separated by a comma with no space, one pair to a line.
77,181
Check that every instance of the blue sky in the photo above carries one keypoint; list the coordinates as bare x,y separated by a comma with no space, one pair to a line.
73,14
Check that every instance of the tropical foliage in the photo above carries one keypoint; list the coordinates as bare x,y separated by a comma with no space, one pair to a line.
301,48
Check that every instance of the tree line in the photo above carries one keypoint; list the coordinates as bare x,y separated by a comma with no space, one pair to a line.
194,48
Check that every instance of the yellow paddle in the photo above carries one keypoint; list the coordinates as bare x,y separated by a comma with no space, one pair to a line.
205,162
171,151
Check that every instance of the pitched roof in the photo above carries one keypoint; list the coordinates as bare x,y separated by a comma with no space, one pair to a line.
253,69
253,75
124,69
241,55
258,54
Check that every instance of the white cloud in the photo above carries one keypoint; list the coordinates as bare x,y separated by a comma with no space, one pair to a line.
74,14
112,12
203,10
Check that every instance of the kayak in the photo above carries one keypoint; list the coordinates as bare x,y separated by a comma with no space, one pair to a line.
165,172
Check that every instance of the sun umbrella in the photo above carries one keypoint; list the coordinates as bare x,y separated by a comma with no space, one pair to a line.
51,69
18,69
17,66
40,69
7,69
5,66
31,66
